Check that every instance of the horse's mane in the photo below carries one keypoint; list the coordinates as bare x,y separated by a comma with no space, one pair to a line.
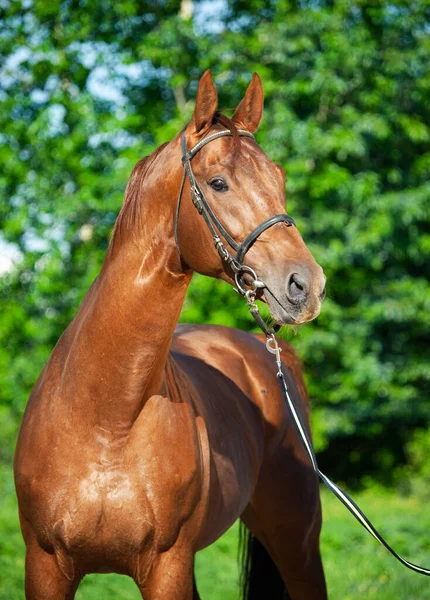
131,210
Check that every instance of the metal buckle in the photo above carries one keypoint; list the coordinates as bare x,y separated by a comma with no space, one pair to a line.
195,195
221,249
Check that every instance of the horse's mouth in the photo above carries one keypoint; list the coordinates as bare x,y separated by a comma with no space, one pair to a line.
282,314
278,312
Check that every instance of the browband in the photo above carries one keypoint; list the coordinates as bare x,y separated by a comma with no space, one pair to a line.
210,138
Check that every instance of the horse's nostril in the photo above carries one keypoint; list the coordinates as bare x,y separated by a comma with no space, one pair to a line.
297,283
323,294
296,288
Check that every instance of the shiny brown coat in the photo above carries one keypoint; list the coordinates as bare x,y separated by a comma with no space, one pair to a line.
141,445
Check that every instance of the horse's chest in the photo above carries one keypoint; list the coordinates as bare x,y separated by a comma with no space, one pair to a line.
141,494
106,491
105,506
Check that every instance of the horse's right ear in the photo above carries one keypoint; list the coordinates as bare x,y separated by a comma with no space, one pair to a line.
250,110
206,105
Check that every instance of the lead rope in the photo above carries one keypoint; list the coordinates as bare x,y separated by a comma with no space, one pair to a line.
273,347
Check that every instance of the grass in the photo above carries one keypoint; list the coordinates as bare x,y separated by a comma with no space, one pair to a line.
356,566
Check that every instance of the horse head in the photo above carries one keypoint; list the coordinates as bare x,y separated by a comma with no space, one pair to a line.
241,188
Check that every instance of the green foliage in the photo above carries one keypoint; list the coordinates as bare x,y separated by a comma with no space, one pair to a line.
414,478
87,88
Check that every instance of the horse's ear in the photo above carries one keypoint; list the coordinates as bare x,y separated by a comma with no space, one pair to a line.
206,104
250,110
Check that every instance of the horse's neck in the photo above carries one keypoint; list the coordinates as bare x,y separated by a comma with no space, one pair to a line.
119,342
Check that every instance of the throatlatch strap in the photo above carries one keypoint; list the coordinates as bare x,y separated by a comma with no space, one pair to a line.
340,494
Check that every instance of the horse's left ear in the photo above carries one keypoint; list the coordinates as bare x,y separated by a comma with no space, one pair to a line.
250,110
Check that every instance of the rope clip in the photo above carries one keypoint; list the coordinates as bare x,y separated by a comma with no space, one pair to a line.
250,298
273,347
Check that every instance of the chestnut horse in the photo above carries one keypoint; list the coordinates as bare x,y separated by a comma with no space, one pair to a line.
141,445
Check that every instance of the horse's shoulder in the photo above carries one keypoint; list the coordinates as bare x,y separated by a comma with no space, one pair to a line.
225,344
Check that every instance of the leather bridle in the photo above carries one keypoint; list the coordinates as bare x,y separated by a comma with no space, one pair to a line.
236,264
216,228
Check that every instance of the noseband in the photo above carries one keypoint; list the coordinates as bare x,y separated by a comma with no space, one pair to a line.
216,228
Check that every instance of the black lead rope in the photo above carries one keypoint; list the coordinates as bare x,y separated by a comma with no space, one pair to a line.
236,263
273,347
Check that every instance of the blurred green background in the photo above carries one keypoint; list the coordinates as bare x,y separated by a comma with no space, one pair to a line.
88,87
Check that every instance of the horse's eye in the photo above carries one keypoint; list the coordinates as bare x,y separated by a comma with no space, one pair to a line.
218,184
